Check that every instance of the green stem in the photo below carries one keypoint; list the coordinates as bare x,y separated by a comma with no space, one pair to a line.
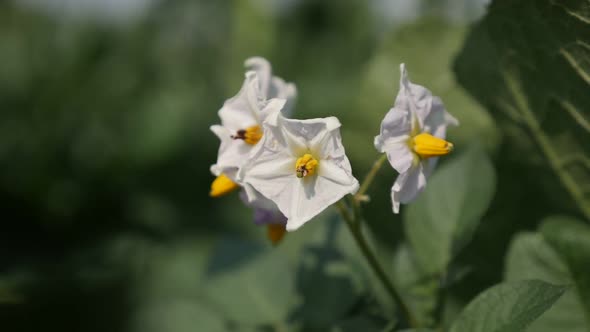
354,226
370,177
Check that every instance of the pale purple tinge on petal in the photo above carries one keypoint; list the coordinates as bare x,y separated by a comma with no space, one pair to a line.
265,217
407,186
253,198
265,210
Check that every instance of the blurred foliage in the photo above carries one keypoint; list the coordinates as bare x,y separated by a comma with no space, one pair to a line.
539,71
442,220
105,151
534,256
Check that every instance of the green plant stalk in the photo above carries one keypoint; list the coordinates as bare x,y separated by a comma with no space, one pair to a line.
354,226
370,177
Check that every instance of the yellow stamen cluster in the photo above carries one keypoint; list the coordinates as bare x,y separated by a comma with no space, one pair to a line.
275,233
250,135
306,165
426,146
222,185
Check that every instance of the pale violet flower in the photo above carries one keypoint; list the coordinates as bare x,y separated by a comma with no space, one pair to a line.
301,166
412,135
241,119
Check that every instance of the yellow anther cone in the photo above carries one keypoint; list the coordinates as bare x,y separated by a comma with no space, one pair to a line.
222,185
306,165
252,135
275,233
426,146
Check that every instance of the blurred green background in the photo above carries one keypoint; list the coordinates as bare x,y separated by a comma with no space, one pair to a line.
105,151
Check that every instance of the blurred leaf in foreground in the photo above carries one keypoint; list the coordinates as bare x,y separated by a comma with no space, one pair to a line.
443,218
571,240
531,257
257,291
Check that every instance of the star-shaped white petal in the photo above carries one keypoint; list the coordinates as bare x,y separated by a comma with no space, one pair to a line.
271,170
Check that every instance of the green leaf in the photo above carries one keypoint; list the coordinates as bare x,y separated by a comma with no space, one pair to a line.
571,240
256,290
443,218
530,257
329,279
507,307
327,285
528,63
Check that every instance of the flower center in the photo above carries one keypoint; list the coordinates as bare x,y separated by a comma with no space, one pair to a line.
426,146
250,135
306,165
222,185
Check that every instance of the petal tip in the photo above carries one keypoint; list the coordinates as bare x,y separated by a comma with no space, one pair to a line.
256,61
332,123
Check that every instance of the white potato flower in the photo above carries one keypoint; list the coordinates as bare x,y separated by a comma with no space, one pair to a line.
241,119
240,130
412,135
301,166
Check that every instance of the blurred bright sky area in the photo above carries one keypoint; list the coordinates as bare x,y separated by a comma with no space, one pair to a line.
389,12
